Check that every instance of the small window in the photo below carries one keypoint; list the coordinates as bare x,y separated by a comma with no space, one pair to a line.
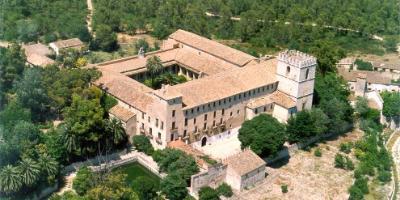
173,113
150,131
184,133
162,125
223,111
159,135
205,126
148,119
186,121
307,72
194,120
215,114
205,117
156,122
287,70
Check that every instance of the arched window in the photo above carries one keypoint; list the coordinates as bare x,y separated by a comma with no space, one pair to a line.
287,70
307,72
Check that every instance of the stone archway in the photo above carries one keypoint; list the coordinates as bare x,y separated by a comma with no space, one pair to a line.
204,141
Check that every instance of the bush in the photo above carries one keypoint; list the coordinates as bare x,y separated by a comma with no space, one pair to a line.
349,164
340,162
225,190
346,147
384,176
318,152
284,188
362,65
142,144
208,193
84,180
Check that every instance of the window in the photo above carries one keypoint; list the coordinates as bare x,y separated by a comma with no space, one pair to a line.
205,126
186,112
256,111
223,111
184,133
156,122
287,70
307,72
238,111
231,114
219,102
220,121
198,109
150,131
173,113
224,101
172,137
173,125
159,135
194,120
191,111
162,125
244,95
214,104
215,114
148,119
142,125
195,129
142,115
234,98
186,121
265,108
214,123
205,117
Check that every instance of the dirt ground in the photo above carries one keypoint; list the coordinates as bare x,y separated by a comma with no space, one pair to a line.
124,38
308,176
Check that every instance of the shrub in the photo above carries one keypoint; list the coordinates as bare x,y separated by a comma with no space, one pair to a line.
142,144
340,162
384,176
349,164
83,181
355,193
225,190
346,147
208,193
362,65
318,152
284,188
362,184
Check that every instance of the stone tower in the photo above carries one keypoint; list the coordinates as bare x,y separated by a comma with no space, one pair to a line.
296,74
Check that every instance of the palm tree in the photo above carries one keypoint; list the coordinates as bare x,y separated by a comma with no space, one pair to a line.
29,171
69,139
115,130
154,66
10,179
48,165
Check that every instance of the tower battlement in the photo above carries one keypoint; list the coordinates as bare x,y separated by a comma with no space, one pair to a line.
297,58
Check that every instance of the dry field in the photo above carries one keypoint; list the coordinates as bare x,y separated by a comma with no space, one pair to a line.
308,176
124,38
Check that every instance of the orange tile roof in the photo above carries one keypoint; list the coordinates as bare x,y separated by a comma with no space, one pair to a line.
276,97
212,47
244,162
121,113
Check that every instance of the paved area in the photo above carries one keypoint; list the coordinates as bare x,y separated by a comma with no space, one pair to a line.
396,156
223,148
68,183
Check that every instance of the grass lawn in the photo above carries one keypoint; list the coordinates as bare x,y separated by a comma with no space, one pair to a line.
135,170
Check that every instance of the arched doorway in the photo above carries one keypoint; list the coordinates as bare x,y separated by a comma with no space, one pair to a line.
204,141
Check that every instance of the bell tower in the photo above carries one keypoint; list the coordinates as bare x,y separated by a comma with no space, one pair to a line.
296,73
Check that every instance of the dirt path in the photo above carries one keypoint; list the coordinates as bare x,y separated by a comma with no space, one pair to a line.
394,147
90,15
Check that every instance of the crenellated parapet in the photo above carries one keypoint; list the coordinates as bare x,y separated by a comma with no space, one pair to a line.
297,58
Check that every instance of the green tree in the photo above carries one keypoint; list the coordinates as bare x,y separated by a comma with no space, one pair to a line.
12,65
361,107
225,190
32,94
174,187
105,39
327,55
113,187
145,188
154,66
306,124
115,131
10,179
29,170
263,134
48,165
142,144
84,180
391,105
208,193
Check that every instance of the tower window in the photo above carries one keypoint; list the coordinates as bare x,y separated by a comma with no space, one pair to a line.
287,70
307,72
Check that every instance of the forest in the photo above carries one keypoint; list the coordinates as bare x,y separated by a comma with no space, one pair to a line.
263,23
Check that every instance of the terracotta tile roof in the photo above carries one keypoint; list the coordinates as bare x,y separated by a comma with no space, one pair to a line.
133,63
371,76
212,47
73,42
121,113
180,145
276,97
39,60
226,84
125,89
244,162
39,49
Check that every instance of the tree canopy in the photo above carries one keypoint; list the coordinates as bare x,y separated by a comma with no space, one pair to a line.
263,134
